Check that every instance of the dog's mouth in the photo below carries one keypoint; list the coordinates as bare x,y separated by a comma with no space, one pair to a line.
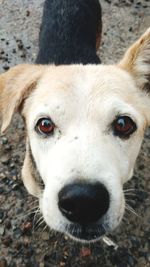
86,233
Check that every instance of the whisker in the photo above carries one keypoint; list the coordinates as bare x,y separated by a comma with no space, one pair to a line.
129,208
37,223
129,190
44,228
40,223
36,213
33,210
134,189
109,242
24,214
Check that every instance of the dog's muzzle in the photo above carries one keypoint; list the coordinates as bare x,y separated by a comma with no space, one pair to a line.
84,205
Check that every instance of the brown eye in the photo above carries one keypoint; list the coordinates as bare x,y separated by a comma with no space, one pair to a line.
45,126
124,126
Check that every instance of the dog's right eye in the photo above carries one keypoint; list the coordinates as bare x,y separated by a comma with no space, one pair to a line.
45,127
124,126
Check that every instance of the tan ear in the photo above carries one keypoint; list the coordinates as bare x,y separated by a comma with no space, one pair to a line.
15,86
137,61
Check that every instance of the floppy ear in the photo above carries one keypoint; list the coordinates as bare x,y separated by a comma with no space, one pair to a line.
137,61
15,86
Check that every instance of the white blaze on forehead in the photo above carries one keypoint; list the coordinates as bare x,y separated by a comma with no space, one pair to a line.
67,91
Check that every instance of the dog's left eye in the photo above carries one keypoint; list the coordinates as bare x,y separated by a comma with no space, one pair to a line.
45,126
124,126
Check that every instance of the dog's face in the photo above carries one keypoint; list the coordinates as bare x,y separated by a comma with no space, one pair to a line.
85,125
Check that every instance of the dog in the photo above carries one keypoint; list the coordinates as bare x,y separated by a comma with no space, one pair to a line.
85,126
70,32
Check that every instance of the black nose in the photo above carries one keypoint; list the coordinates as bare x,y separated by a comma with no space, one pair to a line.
83,203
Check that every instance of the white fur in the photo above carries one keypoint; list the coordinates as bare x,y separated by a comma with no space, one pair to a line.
83,107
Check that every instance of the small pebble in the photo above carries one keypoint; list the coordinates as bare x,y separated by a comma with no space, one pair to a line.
84,252
1,214
12,165
4,140
3,262
25,227
7,224
27,13
23,55
14,51
17,232
2,230
2,52
5,159
45,236
5,67
1,191
15,186
7,241
61,264
20,46
17,245
8,147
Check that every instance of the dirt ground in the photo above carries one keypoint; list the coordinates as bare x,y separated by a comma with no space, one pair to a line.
24,240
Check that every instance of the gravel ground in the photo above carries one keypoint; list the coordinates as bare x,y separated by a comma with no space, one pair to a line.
24,239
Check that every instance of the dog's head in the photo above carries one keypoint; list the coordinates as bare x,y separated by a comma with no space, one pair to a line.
85,125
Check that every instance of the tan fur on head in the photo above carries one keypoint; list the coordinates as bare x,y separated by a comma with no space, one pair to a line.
137,61
15,85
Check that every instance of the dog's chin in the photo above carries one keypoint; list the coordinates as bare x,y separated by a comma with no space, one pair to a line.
86,233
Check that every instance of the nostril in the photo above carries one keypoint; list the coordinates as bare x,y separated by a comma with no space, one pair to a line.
83,203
